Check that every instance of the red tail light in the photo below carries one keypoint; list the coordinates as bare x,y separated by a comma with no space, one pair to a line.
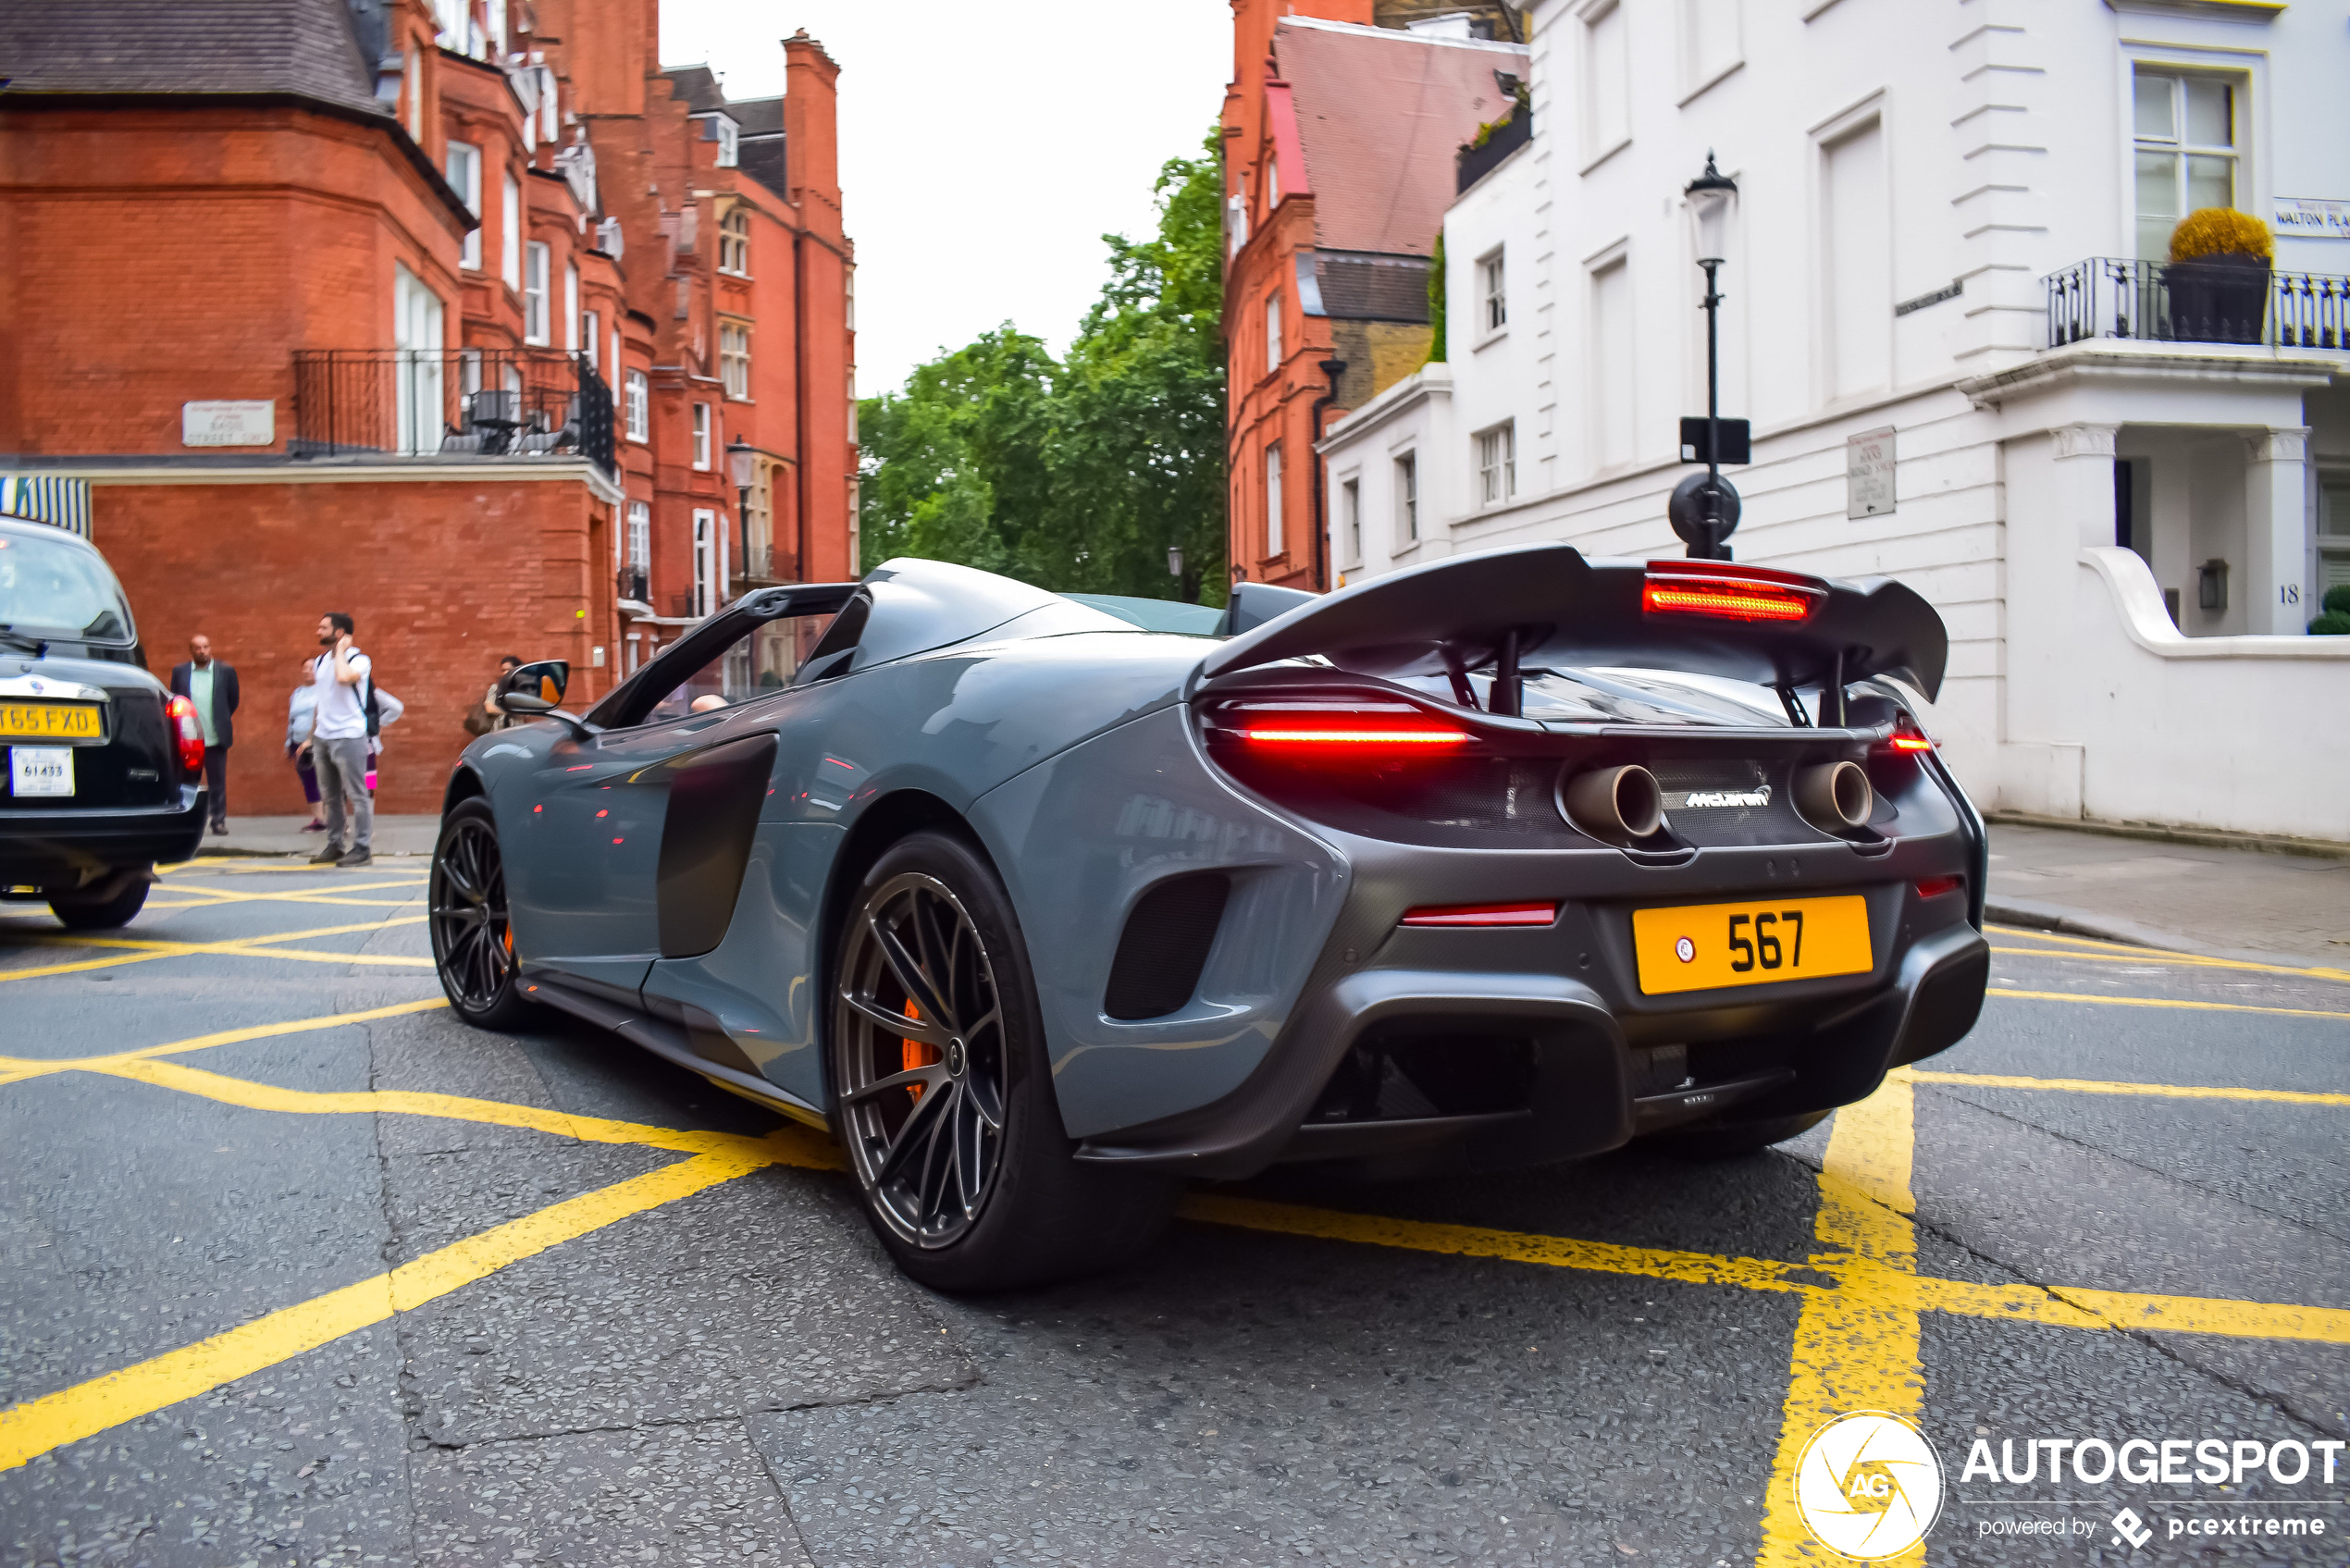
1934,887
187,730
1482,914
1728,592
1906,736
1349,730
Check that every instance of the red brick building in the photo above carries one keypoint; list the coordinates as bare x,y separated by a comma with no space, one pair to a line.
1340,126
454,315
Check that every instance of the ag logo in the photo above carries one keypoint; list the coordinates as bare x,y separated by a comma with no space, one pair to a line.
1868,1485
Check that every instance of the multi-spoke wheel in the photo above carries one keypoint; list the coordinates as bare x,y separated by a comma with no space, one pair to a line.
473,945
940,1092
922,1078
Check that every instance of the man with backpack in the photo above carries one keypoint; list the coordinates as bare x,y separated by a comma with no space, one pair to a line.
342,723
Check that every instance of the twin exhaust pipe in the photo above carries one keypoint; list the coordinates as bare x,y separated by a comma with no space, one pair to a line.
1624,805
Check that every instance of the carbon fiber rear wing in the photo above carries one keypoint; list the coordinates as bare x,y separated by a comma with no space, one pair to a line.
1549,605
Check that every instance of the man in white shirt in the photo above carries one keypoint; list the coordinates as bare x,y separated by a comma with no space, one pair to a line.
338,743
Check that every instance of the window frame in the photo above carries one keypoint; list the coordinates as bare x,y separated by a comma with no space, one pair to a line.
1276,545
1407,498
467,184
733,359
1492,286
702,437
1350,491
637,403
538,262
640,536
2182,150
1273,332
1496,464
734,241
1601,142
591,329
510,239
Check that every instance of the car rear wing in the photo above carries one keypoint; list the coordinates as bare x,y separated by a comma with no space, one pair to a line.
1548,605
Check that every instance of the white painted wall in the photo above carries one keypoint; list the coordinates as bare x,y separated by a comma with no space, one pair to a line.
1885,149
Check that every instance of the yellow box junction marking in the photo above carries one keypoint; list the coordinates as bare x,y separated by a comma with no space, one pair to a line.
140,950
15,1067
2157,1002
2108,1086
2091,945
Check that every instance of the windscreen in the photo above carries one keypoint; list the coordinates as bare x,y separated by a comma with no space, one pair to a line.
1627,697
59,588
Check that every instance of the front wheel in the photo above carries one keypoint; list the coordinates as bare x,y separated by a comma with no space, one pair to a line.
941,1094
473,944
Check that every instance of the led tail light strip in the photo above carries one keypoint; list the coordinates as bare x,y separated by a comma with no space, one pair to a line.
1293,732
1730,593
1482,914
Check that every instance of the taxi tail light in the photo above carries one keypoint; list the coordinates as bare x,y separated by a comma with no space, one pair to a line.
1724,591
187,730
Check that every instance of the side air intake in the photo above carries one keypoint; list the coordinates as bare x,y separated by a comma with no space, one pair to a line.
1165,947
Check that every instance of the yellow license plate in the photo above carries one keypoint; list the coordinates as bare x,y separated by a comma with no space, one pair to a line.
50,721
1706,946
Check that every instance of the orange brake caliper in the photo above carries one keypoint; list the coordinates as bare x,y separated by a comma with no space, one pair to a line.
916,1054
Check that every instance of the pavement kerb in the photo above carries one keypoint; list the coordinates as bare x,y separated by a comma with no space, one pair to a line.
2164,832
2038,916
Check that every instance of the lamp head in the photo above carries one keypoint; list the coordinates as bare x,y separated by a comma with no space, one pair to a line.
1175,561
1709,196
743,462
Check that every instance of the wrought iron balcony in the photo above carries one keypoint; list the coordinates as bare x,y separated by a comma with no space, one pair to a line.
2199,301
633,587
764,566
455,403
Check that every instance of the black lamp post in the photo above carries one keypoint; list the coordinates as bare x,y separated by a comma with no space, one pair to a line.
742,463
1711,508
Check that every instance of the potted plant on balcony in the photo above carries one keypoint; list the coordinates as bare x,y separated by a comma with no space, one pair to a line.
2219,277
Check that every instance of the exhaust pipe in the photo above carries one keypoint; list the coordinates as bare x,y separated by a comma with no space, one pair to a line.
1615,805
1835,795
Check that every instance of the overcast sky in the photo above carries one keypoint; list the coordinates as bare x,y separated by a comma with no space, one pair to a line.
983,148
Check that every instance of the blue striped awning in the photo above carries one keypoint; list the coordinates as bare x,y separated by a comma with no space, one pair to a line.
46,499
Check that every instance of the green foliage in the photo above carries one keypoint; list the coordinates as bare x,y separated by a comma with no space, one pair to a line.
1436,299
1075,475
2337,600
2333,624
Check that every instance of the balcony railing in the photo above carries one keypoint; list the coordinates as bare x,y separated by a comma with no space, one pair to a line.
2196,303
457,404
632,586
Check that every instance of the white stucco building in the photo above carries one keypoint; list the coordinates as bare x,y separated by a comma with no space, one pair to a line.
1919,182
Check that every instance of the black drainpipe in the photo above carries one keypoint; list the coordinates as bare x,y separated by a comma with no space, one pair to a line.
1333,368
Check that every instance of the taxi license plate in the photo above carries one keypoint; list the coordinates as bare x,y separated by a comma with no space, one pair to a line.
1706,946
51,721
40,770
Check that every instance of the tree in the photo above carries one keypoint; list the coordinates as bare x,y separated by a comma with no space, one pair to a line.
1076,475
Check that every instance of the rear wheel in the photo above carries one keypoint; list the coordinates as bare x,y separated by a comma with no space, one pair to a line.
102,914
941,1096
1731,1140
473,944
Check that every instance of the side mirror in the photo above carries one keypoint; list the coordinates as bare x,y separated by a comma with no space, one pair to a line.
535,688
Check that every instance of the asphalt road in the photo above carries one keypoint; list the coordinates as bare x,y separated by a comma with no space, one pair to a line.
294,1268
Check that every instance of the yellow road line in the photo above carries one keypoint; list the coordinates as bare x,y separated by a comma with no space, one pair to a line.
790,1144
2078,1306
2107,1086
142,950
41,1425
273,865
13,1068
1856,1347
2154,1002
2157,958
393,960
2164,955
154,904
1479,1242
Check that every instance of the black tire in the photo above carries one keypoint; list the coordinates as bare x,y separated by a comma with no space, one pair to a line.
1730,1141
473,944
977,1189
102,914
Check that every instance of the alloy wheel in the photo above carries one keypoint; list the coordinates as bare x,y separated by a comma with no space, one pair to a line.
919,1033
471,940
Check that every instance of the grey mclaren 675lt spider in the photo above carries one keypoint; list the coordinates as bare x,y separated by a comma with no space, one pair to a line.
1044,903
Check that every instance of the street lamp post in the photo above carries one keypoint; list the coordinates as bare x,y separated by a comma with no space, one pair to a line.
1716,503
742,463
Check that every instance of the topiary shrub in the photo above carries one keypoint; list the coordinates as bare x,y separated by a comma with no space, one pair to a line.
2333,624
2220,232
2337,600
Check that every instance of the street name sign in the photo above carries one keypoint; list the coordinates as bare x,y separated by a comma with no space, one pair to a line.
1868,473
228,423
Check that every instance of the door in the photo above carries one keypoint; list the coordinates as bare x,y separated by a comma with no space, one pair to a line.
603,836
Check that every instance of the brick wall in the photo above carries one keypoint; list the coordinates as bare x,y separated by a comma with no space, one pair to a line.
442,577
